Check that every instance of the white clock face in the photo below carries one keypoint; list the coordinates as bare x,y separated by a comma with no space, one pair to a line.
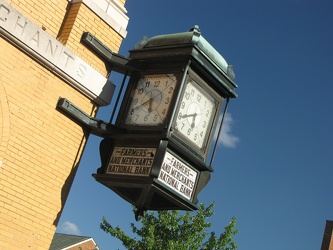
151,99
197,110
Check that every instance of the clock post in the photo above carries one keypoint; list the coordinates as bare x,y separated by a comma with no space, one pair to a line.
155,155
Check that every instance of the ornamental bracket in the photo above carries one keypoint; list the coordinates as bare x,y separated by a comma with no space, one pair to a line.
98,127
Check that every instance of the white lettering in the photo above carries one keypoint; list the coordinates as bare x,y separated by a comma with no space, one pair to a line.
4,11
20,25
35,38
68,57
51,49
81,71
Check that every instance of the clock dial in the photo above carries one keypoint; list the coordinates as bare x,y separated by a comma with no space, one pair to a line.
196,113
151,99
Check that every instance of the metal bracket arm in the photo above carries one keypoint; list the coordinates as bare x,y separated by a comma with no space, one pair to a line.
120,64
97,126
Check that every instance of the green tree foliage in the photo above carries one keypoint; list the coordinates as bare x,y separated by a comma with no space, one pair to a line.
173,230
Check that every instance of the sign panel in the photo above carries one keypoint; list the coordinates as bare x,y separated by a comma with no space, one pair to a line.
178,176
131,161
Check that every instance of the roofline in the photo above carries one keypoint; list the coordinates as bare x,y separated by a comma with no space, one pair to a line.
66,248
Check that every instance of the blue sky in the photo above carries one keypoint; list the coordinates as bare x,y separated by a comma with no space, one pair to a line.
274,171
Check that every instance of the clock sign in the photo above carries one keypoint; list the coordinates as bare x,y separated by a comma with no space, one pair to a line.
157,154
150,100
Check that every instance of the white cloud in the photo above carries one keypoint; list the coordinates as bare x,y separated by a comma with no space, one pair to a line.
226,138
70,228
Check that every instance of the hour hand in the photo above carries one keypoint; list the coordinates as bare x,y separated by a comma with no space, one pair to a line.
150,105
194,115
149,101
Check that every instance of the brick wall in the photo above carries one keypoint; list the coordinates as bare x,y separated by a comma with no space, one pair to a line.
81,19
47,14
40,148
39,151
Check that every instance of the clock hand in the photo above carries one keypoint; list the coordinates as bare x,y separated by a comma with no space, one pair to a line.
193,120
150,104
153,97
143,104
194,115
149,101
190,115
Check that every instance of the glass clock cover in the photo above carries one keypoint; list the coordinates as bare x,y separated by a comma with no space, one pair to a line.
196,113
150,100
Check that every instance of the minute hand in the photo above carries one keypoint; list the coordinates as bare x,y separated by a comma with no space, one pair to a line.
190,115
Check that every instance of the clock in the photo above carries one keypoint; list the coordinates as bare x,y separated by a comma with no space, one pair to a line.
150,100
196,115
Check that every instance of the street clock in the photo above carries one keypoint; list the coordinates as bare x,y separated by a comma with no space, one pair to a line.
155,155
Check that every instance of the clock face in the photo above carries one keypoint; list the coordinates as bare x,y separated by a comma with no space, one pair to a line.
150,100
197,110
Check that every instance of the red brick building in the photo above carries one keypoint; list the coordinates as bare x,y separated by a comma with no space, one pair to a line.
72,242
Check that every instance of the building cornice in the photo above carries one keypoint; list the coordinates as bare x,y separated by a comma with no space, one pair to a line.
110,11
